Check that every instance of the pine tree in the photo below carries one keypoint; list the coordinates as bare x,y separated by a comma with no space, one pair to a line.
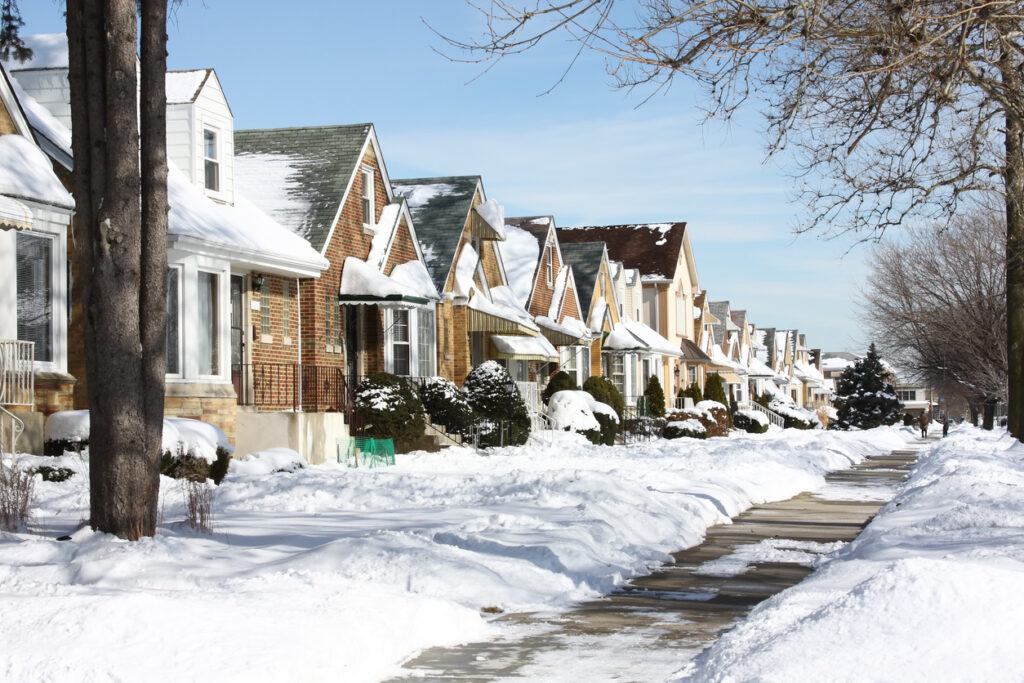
864,397
655,397
714,391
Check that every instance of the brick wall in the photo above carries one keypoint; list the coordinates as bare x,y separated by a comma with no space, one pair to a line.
54,392
460,344
213,403
280,344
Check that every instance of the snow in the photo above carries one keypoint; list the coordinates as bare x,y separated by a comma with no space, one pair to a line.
273,181
755,415
520,254
650,337
40,118
193,437
465,269
26,173
242,226
418,195
576,411
806,553
183,86
493,214
267,462
334,573
358,278
929,591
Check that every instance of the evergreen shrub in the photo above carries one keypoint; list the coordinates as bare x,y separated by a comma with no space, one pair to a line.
560,381
388,408
654,397
864,398
447,405
714,390
495,399
605,391
690,427
742,420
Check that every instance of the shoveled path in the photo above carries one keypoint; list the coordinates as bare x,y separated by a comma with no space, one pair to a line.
650,627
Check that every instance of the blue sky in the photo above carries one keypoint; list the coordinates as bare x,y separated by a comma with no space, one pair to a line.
586,153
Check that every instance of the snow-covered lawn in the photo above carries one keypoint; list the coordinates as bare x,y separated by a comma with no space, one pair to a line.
932,590
328,573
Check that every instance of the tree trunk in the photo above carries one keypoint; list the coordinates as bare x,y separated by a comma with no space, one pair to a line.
1014,254
123,453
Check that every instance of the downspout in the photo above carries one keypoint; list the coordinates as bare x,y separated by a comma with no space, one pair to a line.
298,305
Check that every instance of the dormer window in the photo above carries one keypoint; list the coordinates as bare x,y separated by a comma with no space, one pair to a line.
549,255
368,208
211,160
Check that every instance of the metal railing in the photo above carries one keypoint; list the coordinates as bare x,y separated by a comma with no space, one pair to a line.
291,386
773,417
530,392
17,373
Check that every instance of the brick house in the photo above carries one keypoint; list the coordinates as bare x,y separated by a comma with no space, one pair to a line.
35,212
374,308
546,286
663,255
478,317
217,243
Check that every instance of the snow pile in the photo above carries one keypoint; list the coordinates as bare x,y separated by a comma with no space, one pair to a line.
493,214
267,462
689,425
929,591
807,553
340,573
576,410
180,435
519,254
753,415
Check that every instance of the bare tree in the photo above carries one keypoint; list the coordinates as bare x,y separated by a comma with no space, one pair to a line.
892,109
120,189
936,301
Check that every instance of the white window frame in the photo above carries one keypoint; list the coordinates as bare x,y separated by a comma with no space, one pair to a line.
43,226
549,255
217,323
413,341
215,160
191,266
368,204
181,320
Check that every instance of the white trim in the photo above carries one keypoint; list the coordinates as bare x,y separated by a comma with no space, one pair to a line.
177,267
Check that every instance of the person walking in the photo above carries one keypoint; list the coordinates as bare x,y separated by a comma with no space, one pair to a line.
922,422
945,425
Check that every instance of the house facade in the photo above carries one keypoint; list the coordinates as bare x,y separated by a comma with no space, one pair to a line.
35,215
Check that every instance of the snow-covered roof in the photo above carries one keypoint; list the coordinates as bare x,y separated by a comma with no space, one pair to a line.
184,86
249,234
363,282
569,327
526,348
27,173
654,341
493,214
49,51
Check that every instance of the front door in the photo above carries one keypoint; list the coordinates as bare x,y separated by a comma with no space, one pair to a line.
352,344
238,368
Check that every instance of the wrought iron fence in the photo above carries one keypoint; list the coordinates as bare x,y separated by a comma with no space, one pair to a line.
291,386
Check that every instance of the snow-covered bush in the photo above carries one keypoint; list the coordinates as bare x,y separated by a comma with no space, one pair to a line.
793,416
578,411
560,381
750,421
388,408
268,461
864,398
690,427
711,415
446,405
64,431
605,391
495,399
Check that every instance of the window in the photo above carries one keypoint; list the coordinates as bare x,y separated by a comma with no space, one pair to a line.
549,256
286,310
681,316
618,373
584,363
173,321
208,315
425,332
34,293
400,342
692,373
265,307
210,158
905,395
368,196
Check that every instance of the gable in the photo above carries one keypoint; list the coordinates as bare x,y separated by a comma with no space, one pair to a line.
652,248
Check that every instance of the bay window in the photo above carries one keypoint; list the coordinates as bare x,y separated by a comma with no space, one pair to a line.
35,293
207,341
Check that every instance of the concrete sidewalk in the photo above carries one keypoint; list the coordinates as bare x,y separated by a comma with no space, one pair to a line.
660,621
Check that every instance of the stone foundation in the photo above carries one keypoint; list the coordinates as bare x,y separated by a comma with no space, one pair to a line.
54,391
215,403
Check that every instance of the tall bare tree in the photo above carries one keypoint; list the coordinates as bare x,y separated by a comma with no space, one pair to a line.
936,302
120,186
893,109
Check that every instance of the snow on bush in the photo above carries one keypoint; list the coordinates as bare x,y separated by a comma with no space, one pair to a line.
931,588
751,421
200,440
690,427
496,401
389,408
578,411
711,415
447,405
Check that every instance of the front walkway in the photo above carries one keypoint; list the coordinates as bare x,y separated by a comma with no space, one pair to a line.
655,624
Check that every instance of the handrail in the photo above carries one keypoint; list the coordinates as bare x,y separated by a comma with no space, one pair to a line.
17,372
773,417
